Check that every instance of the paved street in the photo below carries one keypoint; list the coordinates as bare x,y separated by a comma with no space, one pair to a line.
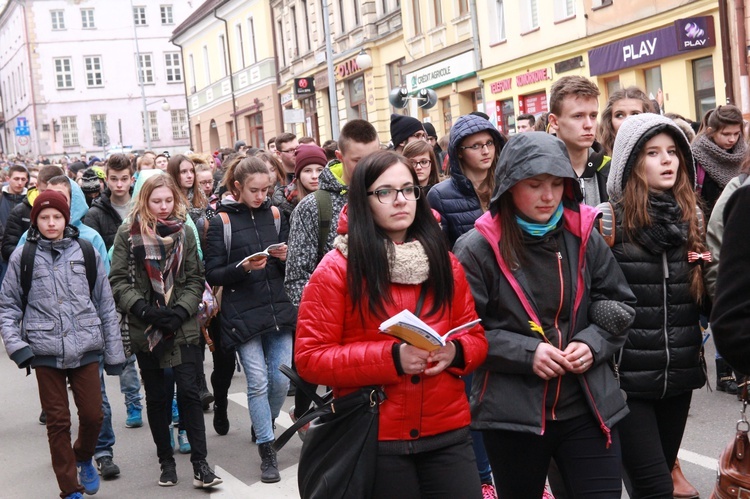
25,469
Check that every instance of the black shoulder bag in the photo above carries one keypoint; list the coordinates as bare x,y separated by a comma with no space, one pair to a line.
340,451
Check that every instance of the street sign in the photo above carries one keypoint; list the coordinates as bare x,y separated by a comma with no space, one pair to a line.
22,131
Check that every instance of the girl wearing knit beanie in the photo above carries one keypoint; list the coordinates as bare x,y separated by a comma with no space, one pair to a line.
660,246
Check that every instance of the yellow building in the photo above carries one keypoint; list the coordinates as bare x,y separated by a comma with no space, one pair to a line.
303,78
617,44
230,72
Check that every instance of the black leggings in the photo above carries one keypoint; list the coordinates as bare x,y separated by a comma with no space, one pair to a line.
520,460
651,436
449,473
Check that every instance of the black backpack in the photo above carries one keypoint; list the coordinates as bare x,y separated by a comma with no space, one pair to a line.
27,267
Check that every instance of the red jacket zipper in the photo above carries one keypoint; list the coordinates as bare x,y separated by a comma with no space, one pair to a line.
557,327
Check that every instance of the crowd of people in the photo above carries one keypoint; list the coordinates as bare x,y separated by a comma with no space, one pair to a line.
581,245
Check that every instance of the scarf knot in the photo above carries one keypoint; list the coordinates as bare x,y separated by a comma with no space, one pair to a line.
407,262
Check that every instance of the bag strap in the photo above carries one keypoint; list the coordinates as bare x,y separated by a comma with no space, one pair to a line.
325,214
89,261
606,223
301,385
227,226
420,300
27,271
276,218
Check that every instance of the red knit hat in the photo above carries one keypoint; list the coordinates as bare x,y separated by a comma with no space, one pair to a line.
308,154
50,199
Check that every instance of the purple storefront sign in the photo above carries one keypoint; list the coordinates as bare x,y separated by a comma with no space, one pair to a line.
694,33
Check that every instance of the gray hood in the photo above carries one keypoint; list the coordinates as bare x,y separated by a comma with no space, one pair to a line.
632,136
530,154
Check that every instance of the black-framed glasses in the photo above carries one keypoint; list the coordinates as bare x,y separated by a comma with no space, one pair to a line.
288,151
389,196
476,147
424,163
206,182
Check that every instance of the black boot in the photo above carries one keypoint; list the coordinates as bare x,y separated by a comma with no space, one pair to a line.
221,419
269,467
725,381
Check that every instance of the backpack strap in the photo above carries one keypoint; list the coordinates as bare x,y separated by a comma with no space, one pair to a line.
276,219
606,223
227,225
89,261
325,214
27,271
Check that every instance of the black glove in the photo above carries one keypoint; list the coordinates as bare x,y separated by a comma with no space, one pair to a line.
149,313
170,324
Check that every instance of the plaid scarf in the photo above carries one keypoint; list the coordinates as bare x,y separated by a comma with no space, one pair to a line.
152,247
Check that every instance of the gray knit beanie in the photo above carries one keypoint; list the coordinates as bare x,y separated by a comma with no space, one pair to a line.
634,132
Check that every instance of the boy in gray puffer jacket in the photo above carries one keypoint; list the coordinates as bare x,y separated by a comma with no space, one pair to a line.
60,331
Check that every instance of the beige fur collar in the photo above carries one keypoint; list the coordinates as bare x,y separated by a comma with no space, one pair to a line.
408,261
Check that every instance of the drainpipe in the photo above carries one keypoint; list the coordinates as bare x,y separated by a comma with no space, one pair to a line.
184,85
477,52
739,8
726,53
31,83
231,75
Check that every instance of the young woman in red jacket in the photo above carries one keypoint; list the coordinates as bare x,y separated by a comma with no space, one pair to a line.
394,249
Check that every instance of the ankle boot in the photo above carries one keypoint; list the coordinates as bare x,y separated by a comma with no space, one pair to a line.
221,418
682,488
269,467
725,381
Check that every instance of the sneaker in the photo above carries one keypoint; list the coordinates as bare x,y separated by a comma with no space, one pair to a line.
74,495
302,431
168,476
488,491
221,420
206,399
88,477
107,469
203,476
43,418
269,467
135,417
183,442
175,412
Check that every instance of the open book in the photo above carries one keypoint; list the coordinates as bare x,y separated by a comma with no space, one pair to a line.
260,254
411,329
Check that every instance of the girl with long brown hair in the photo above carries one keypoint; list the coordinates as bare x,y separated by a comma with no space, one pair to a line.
423,160
660,246
621,104
182,170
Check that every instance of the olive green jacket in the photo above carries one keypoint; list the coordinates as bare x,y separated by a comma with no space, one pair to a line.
187,293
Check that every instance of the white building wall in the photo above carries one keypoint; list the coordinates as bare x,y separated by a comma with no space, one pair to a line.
15,79
118,97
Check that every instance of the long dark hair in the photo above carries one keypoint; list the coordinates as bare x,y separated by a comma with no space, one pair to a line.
368,271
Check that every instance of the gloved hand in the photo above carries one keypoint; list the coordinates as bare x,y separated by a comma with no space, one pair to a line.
149,313
114,369
171,323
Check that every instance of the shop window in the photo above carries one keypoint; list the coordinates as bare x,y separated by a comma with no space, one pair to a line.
396,79
653,81
703,85
311,118
357,100
613,85
506,119
445,109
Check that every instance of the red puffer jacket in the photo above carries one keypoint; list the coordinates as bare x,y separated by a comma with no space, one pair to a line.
335,347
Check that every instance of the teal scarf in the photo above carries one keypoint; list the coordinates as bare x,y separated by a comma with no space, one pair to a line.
539,230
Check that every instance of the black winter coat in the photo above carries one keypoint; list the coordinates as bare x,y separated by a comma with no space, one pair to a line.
103,218
252,303
662,355
18,223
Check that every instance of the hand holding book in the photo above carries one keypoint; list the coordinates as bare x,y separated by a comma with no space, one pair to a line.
411,329
275,250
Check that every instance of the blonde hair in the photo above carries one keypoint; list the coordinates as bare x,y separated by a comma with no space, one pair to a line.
140,209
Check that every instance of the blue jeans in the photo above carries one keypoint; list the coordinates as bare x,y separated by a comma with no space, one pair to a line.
107,433
266,385
130,384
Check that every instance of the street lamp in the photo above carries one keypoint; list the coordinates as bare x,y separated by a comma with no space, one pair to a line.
363,60
332,98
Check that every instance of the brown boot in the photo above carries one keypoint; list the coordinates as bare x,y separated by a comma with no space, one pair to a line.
682,488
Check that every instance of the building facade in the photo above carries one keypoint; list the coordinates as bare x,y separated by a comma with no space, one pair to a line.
231,73
72,73
654,45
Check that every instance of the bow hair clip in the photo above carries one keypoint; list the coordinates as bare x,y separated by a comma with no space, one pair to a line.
694,256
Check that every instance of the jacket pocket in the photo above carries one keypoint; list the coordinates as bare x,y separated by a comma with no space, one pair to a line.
42,338
42,285
90,331
78,281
